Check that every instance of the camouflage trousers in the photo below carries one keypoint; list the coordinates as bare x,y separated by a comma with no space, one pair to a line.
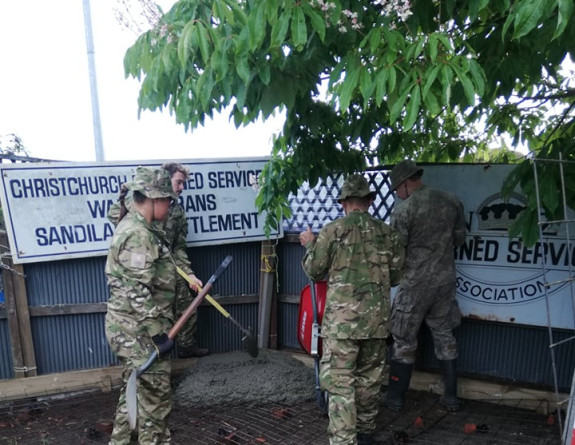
351,372
438,307
154,391
184,297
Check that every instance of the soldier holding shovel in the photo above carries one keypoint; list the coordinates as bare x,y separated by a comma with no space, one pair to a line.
142,281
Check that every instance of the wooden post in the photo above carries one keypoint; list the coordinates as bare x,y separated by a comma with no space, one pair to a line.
267,287
21,344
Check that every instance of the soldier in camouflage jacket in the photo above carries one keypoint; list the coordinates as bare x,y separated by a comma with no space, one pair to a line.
432,224
363,257
141,278
175,228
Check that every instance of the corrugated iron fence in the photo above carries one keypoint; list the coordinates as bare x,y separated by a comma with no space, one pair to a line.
57,309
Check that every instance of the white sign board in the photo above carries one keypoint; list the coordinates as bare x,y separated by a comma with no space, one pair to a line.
499,278
58,210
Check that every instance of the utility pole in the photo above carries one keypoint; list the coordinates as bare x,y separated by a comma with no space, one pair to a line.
93,84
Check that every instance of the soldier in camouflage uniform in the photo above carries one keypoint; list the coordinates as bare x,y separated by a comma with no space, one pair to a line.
141,278
432,223
363,257
175,228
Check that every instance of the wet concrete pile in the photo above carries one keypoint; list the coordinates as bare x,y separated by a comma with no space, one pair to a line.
234,379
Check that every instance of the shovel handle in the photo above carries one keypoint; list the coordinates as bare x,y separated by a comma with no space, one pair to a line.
209,298
132,385
199,298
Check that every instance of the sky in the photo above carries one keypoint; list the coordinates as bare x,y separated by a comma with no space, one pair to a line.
45,96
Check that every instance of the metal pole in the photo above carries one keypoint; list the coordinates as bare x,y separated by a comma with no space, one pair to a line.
93,84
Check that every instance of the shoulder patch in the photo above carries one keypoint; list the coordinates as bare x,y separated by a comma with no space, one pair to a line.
137,260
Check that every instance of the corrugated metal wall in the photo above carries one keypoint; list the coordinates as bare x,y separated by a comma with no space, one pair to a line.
77,281
5,352
74,341
507,352
70,342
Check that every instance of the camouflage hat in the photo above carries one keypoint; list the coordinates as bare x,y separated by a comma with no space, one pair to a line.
402,171
153,183
355,186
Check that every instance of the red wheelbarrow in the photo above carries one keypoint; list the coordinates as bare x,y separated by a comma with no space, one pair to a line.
311,308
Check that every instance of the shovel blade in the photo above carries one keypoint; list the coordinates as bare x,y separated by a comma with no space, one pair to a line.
251,345
132,399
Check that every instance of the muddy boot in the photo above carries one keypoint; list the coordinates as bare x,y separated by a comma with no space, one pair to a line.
364,439
399,378
449,399
191,351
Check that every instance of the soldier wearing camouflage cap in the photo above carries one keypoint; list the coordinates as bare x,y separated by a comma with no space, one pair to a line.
363,257
431,223
175,228
141,278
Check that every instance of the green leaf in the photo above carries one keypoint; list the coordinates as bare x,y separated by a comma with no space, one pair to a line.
430,102
349,83
298,28
380,89
391,79
433,42
374,39
272,9
243,69
203,43
366,85
506,25
397,106
186,44
238,11
412,108
317,21
430,79
446,78
466,83
526,18
280,29
478,76
446,43
167,58
257,26
265,74
565,11
224,13
205,87
242,42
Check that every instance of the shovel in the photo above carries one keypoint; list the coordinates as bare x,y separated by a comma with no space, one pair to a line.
132,386
249,340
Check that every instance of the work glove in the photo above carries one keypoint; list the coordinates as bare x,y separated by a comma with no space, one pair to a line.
163,344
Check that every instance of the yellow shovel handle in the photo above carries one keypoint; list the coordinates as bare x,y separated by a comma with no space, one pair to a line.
213,302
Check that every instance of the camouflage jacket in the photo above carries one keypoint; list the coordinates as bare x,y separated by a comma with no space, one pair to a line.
175,229
432,223
363,257
141,278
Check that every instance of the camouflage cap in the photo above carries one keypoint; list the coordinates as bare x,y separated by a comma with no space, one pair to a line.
355,186
153,183
402,171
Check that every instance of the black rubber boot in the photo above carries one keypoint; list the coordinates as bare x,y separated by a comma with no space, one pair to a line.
449,399
399,378
364,439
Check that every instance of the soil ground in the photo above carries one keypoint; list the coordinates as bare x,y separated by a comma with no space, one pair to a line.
84,419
